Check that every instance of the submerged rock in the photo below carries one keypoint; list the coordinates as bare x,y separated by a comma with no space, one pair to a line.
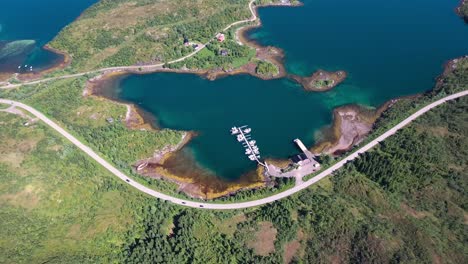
15,48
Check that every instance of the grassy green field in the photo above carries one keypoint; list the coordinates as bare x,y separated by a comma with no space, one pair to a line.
57,205
4,106
86,118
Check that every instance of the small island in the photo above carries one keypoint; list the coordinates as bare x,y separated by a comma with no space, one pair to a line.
321,80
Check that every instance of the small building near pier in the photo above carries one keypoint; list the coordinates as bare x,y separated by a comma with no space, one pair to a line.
300,159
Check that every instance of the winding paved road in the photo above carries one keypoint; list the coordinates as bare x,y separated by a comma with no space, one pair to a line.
262,201
152,67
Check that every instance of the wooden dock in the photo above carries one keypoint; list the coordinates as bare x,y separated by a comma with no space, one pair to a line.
245,137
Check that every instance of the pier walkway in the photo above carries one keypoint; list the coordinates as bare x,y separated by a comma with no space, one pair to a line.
304,149
249,146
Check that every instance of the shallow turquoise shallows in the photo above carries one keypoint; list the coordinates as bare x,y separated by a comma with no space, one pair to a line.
36,20
389,49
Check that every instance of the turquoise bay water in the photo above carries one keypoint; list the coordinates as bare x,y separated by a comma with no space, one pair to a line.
35,20
277,112
389,49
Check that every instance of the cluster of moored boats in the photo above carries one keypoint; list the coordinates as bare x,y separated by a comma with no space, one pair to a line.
243,136
25,67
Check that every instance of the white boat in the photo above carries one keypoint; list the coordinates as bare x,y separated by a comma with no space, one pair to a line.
19,67
252,142
256,152
252,157
247,130
254,148
142,166
240,138
248,151
234,130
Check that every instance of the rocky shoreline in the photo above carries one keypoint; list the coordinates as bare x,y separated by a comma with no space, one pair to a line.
64,62
192,180
202,189
462,10
449,67
351,124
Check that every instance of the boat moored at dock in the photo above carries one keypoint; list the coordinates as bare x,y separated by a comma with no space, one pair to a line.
242,134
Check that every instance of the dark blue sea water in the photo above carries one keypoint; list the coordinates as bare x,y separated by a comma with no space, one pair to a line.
38,21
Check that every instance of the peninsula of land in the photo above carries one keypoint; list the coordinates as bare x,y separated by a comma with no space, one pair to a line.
230,52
